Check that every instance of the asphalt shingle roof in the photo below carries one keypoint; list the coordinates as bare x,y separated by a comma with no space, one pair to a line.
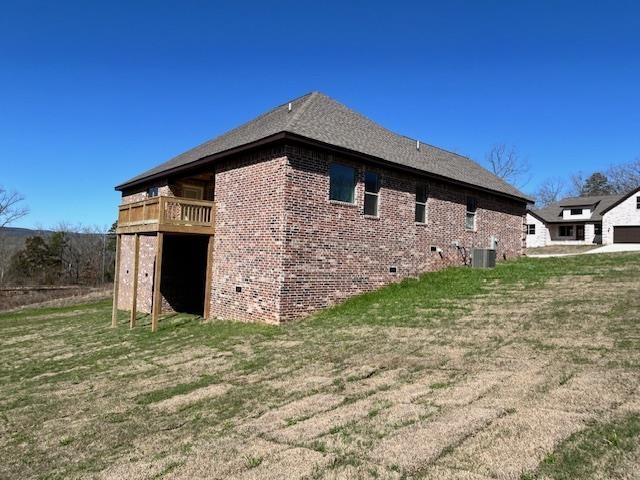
318,117
553,213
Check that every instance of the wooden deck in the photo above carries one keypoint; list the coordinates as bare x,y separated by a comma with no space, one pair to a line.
167,215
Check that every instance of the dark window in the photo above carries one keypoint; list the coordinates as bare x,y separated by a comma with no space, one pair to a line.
597,230
576,211
470,216
531,229
152,192
342,183
371,193
566,230
421,203
638,203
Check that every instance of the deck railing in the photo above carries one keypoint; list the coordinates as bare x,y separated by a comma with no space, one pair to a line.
166,214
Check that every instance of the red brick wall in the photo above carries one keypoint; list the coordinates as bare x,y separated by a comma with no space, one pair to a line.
333,251
292,251
249,239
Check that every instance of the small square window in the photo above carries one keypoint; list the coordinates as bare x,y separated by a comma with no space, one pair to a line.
638,203
152,192
371,193
342,183
576,211
531,229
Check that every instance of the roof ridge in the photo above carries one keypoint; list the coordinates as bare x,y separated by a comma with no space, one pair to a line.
300,110
397,134
248,122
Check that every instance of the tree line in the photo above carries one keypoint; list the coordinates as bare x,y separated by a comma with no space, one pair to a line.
65,255
505,162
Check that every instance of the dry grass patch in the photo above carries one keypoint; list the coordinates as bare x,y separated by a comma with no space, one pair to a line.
178,402
294,412
461,374
415,447
514,443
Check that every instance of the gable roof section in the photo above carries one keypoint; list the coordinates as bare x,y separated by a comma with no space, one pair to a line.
600,204
317,117
620,200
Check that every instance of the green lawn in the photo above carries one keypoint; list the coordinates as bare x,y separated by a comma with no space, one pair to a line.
530,370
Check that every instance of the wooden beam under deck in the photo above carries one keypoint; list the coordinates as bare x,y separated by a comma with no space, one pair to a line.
164,228
134,294
207,285
157,276
116,284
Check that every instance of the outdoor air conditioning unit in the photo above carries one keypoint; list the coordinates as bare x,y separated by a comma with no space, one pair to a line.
483,258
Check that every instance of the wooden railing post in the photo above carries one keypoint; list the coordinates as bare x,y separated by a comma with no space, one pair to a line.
161,210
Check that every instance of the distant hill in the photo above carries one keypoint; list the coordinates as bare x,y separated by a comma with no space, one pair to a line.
13,238
15,232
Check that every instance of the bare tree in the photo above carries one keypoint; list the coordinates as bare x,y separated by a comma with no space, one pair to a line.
10,207
626,177
506,163
576,182
550,191
84,254
10,211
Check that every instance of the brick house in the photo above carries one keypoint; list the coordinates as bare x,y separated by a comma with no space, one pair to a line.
586,220
298,209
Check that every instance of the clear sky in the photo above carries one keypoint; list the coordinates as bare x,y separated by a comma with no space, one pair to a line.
92,93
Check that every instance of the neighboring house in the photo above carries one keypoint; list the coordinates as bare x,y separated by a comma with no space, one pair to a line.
586,220
298,209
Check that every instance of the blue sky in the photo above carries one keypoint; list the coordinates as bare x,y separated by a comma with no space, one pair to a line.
92,93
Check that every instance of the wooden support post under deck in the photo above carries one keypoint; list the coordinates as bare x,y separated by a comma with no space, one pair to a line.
157,276
207,285
116,284
134,294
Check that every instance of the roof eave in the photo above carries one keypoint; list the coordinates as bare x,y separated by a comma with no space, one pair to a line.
201,161
397,166
309,141
534,214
